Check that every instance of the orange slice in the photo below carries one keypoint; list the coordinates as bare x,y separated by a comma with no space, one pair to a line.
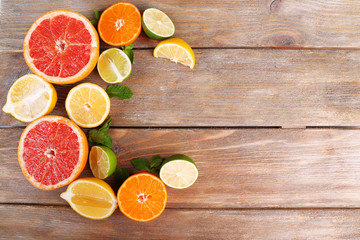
142,197
52,152
120,24
62,47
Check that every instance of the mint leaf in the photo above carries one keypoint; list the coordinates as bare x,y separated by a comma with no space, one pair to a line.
129,52
100,136
106,125
120,175
94,22
122,92
155,161
141,164
96,14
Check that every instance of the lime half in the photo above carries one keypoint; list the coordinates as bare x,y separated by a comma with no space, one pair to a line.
114,66
179,171
157,25
102,161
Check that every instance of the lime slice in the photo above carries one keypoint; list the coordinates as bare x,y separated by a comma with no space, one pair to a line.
157,25
114,66
179,171
102,161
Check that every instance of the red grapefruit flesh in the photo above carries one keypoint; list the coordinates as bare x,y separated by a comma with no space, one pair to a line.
52,152
62,47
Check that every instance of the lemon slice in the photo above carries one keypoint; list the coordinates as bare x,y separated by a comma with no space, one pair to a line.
114,66
177,50
91,198
87,105
179,171
29,98
157,25
102,161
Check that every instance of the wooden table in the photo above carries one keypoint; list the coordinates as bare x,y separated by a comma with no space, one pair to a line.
270,114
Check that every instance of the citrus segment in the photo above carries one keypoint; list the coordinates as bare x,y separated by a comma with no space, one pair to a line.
120,24
114,66
91,198
142,197
157,25
62,47
177,50
102,161
52,152
179,171
87,105
29,98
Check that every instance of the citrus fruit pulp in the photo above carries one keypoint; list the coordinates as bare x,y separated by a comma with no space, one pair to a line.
114,66
142,197
87,105
91,198
179,171
177,50
120,24
62,47
157,25
102,161
52,152
30,97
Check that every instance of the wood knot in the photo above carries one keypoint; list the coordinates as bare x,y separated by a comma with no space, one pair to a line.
275,6
286,41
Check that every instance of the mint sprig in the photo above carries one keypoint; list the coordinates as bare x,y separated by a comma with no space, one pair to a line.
129,52
100,136
122,92
96,16
144,165
120,175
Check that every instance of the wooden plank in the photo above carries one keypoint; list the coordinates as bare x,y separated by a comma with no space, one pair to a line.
40,222
244,168
228,23
230,87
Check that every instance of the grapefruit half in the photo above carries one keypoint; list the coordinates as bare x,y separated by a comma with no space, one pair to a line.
62,47
52,152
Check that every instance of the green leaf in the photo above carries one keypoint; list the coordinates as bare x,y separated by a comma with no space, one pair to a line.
128,47
99,137
130,54
94,22
141,164
122,92
155,161
120,175
155,170
96,14
106,125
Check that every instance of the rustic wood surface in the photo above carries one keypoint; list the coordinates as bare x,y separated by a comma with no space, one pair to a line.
261,65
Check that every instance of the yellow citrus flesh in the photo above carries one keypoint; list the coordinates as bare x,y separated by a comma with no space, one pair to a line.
87,105
91,198
29,98
177,50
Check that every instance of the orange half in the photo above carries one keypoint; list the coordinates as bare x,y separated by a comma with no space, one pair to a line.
120,24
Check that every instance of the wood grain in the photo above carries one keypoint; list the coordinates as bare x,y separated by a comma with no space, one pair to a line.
39,222
245,168
228,23
227,88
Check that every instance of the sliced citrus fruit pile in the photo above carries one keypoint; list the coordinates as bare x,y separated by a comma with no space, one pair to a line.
62,47
102,161
91,198
179,171
52,152
157,25
177,50
87,105
30,97
114,66
142,197
120,24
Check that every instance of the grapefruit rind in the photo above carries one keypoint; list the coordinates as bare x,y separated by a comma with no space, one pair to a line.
78,168
87,69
